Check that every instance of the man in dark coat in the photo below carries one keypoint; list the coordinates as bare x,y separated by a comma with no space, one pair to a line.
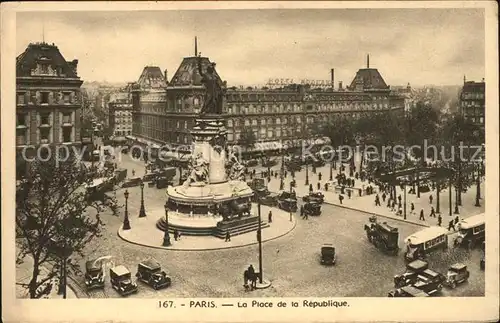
228,236
270,217
251,275
422,215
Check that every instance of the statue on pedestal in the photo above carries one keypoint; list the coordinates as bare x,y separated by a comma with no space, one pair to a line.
214,91
236,169
198,171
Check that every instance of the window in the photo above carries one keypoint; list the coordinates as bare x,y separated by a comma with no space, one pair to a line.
236,122
67,97
263,122
45,98
270,134
262,133
45,119
230,136
44,135
254,122
20,98
247,122
21,119
278,121
21,138
67,132
66,117
278,132
229,123
284,120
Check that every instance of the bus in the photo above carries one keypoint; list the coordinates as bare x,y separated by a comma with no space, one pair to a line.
425,241
471,231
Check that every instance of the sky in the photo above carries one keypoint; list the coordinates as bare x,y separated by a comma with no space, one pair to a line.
419,46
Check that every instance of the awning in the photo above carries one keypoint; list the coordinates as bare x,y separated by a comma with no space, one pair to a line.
264,146
131,137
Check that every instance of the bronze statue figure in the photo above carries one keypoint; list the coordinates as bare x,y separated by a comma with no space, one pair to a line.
214,92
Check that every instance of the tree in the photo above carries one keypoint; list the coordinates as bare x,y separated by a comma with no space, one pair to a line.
247,138
52,216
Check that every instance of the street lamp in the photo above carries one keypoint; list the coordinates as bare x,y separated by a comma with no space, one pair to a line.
126,222
404,197
166,236
282,175
331,169
142,211
307,173
259,239
62,251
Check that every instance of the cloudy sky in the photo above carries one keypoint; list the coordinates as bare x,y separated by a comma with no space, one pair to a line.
420,46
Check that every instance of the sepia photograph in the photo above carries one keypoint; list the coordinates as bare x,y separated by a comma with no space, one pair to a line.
254,154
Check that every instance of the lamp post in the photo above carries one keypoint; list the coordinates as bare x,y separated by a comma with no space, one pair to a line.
449,196
404,197
282,175
259,239
307,173
331,169
126,222
142,211
166,236
456,202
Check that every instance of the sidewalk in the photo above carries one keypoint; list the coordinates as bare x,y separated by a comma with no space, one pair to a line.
367,203
23,275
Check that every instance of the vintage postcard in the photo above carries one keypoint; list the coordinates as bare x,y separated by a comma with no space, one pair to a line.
250,161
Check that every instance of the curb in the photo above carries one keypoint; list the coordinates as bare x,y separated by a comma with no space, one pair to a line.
208,249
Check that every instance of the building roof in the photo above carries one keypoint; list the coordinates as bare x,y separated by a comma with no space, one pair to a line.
119,97
471,86
370,78
152,77
187,73
42,52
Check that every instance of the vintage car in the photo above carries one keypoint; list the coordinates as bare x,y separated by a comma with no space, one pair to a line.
132,182
251,163
288,205
121,280
328,256
383,236
457,274
283,195
471,232
149,272
312,209
163,182
94,275
149,177
317,197
269,200
257,184
425,241
408,291
418,270
430,285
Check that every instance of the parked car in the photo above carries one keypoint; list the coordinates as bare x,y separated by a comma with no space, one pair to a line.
457,274
134,181
94,275
317,197
149,272
413,269
121,280
269,200
288,205
383,236
408,291
431,285
328,256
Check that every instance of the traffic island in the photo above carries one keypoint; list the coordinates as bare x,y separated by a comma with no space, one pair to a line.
144,232
265,284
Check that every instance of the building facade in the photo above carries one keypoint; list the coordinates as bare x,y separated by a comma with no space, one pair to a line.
164,111
120,114
48,99
472,102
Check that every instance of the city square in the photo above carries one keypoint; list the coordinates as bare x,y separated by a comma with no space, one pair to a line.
188,184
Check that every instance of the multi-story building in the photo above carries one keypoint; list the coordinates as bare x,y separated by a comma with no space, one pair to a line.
472,101
48,99
120,113
164,111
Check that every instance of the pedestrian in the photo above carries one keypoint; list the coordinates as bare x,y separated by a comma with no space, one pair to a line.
440,220
433,213
270,217
451,226
430,199
412,208
275,174
310,188
133,172
377,200
383,197
356,175
228,236
341,198
389,202
269,179
360,191
319,176
306,215
319,186
349,193
456,220
400,211
400,205
302,211
326,186
353,182
399,198
176,234
422,215
251,275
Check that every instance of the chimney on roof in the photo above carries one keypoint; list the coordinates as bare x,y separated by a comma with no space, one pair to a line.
340,85
165,74
464,79
332,74
73,65
368,61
